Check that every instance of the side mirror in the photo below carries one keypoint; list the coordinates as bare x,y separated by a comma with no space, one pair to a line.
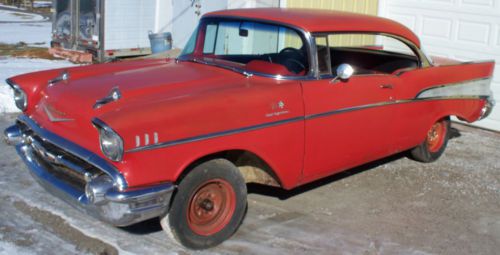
344,72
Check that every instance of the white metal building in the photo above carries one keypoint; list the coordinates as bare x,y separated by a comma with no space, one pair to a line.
460,29
466,30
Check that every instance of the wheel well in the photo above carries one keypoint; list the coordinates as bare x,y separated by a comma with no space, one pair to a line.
252,167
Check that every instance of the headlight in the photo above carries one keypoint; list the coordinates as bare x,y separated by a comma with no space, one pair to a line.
20,97
110,142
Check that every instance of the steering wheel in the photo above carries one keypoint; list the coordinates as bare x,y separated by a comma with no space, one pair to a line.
294,65
292,59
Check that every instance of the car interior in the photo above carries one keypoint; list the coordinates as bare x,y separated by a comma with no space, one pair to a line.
293,62
370,61
288,62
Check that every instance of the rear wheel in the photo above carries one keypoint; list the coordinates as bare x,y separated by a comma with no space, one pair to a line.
435,143
209,205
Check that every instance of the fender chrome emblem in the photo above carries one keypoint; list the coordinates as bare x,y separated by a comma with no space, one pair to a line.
277,109
49,110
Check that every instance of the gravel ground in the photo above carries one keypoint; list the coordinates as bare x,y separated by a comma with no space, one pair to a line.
392,206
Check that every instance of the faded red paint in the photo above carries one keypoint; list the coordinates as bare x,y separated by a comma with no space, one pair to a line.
323,21
179,100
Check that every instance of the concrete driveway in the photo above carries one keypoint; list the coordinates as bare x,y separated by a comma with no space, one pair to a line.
393,206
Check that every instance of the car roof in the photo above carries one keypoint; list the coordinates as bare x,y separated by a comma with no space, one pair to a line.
316,21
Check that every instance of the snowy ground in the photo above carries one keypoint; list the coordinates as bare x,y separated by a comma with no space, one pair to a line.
14,16
14,66
33,33
393,206
22,27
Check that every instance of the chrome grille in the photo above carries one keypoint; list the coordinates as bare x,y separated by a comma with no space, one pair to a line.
60,163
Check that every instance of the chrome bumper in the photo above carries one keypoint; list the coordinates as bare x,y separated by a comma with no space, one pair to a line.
83,179
488,107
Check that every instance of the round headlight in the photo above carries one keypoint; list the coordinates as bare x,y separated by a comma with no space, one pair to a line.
111,143
20,99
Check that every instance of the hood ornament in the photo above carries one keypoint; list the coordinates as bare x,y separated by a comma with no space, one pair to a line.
114,95
64,76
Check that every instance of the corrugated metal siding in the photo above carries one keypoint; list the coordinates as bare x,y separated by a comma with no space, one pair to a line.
357,6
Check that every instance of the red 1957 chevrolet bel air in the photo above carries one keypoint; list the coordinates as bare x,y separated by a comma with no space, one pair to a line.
279,97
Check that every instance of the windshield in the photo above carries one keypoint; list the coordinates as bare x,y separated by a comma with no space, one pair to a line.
249,46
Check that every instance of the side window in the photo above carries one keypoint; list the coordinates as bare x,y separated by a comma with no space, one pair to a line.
366,53
191,44
324,63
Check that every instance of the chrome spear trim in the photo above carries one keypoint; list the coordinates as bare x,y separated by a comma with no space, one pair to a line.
64,76
114,95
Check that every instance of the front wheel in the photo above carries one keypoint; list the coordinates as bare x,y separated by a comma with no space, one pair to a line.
209,205
435,143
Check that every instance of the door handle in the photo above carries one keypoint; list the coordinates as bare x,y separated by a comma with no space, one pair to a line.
386,86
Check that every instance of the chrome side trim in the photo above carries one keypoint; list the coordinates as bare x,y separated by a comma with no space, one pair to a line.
387,103
475,62
215,135
479,90
286,121
477,87
76,150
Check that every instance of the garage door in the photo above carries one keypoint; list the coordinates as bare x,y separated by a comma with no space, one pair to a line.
461,29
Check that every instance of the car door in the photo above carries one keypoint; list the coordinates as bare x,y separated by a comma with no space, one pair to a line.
347,123
352,121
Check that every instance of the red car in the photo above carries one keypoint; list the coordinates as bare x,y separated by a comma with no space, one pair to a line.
279,97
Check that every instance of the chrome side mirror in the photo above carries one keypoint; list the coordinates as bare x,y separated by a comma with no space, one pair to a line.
344,72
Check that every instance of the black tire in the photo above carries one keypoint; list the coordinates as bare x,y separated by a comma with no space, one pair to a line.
434,144
209,205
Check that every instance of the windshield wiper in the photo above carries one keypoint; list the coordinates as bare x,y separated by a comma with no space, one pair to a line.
234,69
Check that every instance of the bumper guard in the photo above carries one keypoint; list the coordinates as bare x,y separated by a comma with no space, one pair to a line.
104,196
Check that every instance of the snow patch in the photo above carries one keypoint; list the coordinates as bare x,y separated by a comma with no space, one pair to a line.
14,66
34,34
42,4
13,16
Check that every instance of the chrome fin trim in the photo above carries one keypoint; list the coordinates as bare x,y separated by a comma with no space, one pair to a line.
478,87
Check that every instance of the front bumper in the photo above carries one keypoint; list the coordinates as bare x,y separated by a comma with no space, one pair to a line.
84,179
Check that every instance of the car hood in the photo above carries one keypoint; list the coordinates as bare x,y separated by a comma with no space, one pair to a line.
67,107
77,98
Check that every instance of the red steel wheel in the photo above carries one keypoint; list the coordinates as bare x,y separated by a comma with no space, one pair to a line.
436,136
434,144
208,206
211,207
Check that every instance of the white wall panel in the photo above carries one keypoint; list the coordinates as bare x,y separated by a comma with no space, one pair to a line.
461,29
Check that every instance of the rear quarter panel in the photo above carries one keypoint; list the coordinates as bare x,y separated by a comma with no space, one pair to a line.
420,107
